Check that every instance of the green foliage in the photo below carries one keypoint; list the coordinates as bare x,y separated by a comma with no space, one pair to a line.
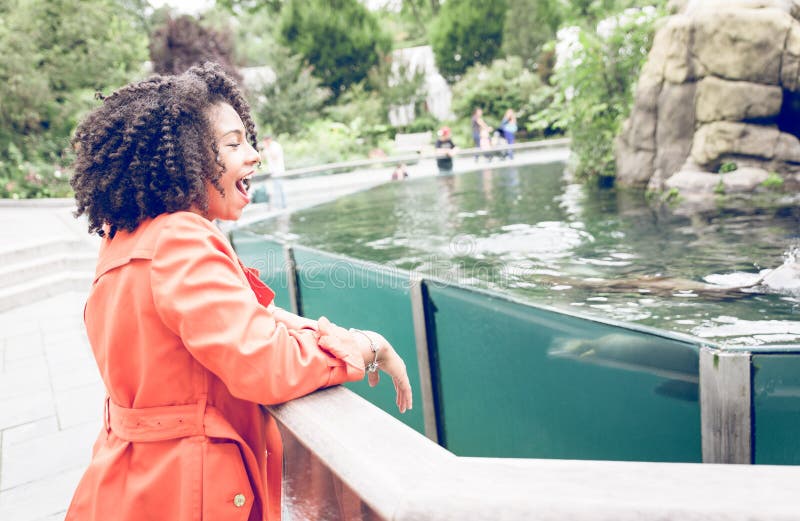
587,13
340,38
719,189
54,54
672,196
250,7
420,12
21,179
502,85
364,113
773,182
594,87
728,166
254,34
467,32
405,28
422,123
293,99
326,142
529,25
396,83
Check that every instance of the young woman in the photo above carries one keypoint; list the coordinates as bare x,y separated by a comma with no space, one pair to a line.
187,339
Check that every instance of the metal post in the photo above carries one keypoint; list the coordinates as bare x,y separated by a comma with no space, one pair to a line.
725,406
423,360
291,281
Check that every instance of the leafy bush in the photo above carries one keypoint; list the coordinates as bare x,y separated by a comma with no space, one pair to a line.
327,141
502,85
54,55
773,182
26,180
594,85
292,99
422,123
396,83
364,113
728,166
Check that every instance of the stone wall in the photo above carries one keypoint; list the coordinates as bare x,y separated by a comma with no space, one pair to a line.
721,85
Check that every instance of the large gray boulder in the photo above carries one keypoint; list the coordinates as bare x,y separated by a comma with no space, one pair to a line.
724,100
721,85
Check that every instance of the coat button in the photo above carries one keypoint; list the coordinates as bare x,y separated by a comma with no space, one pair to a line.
239,500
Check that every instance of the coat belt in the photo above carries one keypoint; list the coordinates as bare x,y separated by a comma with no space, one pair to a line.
156,423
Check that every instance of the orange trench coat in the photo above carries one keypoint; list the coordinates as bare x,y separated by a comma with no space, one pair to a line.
187,350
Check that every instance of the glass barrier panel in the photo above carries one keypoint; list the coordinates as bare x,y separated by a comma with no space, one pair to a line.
525,382
776,408
267,256
365,296
312,491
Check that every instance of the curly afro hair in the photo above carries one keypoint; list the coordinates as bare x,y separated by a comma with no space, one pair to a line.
150,147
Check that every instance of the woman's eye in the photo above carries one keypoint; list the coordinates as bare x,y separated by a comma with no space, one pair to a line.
234,145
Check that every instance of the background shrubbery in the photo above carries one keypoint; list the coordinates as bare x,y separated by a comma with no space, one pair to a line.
328,80
54,55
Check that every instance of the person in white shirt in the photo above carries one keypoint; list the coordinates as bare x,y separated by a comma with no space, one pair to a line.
272,155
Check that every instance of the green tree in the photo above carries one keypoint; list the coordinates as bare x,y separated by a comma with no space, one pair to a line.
293,99
396,83
254,40
182,42
340,38
528,26
505,84
250,6
54,54
467,32
421,12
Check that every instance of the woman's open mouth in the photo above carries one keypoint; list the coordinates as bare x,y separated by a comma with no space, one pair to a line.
243,184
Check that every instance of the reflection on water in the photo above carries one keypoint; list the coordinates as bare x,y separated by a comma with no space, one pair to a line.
530,232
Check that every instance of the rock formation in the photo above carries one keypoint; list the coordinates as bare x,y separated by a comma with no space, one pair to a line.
720,90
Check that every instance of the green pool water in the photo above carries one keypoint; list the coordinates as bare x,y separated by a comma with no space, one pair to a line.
532,233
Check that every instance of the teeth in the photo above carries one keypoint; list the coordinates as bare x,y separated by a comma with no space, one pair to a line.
246,182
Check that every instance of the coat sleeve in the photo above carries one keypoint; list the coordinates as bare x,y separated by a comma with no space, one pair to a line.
200,295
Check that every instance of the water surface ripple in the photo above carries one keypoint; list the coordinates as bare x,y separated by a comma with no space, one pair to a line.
532,233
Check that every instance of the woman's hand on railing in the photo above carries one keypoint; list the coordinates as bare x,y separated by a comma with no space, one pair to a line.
387,358
390,363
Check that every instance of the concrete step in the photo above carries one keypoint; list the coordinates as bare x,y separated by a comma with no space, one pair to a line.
44,287
38,267
40,248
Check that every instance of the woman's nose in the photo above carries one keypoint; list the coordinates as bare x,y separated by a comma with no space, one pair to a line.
254,157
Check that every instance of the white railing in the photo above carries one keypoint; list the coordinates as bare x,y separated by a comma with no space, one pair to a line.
346,459
346,166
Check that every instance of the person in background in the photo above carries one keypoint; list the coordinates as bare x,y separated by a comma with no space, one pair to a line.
508,126
187,339
400,172
445,150
479,128
486,144
272,155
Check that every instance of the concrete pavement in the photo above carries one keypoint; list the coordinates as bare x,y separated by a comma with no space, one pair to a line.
51,396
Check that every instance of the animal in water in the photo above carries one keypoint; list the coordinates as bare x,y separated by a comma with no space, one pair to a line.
785,279
633,351
675,362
